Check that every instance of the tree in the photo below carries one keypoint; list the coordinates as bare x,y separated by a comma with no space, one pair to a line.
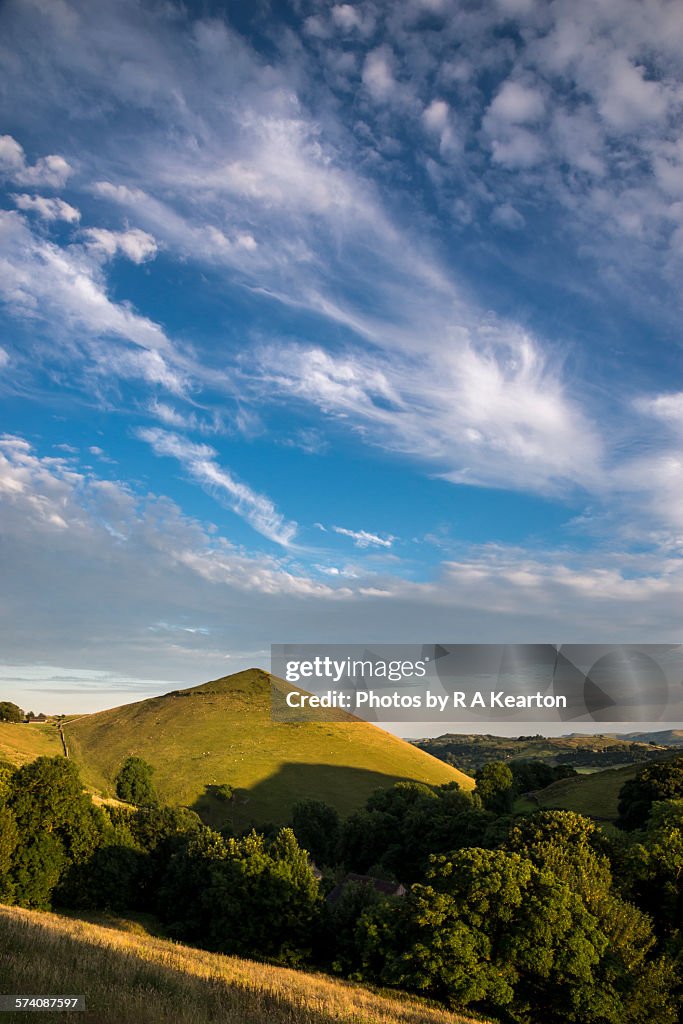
655,870
565,843
181,896
492,931
134,782
495,786
317,829
10,712
57,824
660,780
400,827
338,945
262,899
9,839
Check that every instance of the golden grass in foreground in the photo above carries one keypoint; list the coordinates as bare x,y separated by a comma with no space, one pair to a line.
132,978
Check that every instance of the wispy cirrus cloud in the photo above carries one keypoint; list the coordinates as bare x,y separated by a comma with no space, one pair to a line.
493,413
365,539
199,461
63,287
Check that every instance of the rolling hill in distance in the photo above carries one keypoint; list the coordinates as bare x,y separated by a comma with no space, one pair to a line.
222,733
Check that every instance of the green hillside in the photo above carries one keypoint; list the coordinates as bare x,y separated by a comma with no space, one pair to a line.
594,795
22,742
222,733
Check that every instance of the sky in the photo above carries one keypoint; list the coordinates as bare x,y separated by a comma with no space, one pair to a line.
334,323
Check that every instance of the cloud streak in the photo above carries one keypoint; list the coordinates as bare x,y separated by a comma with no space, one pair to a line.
199,461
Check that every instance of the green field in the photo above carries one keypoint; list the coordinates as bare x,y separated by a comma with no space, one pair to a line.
130,977
26,741
223,733
595,795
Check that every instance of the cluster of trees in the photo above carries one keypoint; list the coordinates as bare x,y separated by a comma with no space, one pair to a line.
503,914
10,712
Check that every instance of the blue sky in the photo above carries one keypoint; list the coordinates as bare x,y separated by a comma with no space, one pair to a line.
334,322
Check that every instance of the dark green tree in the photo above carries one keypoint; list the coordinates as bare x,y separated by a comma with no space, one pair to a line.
134,782
400,827
340,946
57,823
660,780
494,932
181,898
263,899
10,712
317,828
9,840
655,871
495,786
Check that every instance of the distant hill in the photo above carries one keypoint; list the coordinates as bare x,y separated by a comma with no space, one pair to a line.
222,733
131,977
664,738
471,751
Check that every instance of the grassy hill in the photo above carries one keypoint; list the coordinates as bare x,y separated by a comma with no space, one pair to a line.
223,733
24,742
594,795
130,977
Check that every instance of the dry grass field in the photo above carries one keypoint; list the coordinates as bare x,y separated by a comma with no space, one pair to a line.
130,977
21,742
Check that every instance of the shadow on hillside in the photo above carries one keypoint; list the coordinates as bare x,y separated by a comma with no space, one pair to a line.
272,799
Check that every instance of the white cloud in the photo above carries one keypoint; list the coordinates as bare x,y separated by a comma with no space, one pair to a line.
508,217
48,209
435,116
350,18
516,103
666,407
486,408
364,539
199,461
629,99
173,417
378,76
61,286
48,171
137,245
517,148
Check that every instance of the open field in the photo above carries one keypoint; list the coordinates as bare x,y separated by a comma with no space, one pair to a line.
25,741
595,795
223,733
130,977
